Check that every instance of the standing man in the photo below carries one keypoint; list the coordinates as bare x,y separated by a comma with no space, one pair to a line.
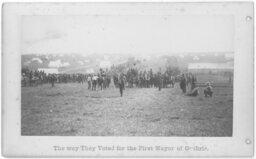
30,78
89,81
52,79
121,84
160,81
94,82
193,82
183,83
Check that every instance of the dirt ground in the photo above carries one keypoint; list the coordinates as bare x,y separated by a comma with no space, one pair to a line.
72,109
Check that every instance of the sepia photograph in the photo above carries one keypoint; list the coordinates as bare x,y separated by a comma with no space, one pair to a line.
127,75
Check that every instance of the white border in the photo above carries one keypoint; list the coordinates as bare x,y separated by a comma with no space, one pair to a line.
15,145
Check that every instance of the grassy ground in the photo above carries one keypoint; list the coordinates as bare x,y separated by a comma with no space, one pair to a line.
71,109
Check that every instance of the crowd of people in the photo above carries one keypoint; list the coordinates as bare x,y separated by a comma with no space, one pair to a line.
101,80
34,78
146,79
130,78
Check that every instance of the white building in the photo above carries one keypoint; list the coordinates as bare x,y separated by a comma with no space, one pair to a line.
105,64
90,70
49,70
58,63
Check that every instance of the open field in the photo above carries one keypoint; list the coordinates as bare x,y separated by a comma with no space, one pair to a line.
71,109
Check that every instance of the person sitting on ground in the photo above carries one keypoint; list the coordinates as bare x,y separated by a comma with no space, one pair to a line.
208,90
194,92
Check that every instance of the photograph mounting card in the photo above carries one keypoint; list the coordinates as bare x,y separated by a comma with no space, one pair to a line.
127,79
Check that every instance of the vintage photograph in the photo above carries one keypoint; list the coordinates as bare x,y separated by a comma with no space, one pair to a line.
126,75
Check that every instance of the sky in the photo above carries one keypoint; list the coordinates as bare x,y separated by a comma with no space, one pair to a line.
126,34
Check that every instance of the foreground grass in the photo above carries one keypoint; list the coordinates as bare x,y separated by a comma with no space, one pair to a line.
71,109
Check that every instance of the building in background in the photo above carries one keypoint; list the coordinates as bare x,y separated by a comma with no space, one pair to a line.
49,70
210,68
105,64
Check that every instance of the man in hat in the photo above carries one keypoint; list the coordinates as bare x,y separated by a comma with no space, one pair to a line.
89,80
94,81
183,82
121,81
52,79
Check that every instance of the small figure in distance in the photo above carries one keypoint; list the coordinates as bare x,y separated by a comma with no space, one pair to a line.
208,90
160,81
94,81
121,84
52,79
183,84
89,80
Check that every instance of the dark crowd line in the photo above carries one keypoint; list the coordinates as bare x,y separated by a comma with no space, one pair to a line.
129,79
